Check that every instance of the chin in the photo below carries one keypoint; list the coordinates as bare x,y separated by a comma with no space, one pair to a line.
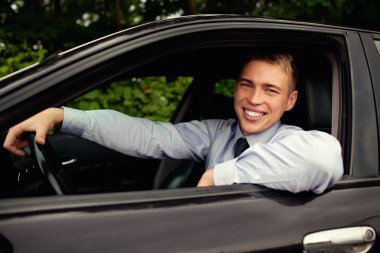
251,131
248,130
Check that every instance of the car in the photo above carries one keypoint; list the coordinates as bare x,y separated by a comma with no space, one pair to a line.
72,195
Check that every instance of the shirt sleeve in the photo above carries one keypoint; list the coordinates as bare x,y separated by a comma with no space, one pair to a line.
300,161
140,137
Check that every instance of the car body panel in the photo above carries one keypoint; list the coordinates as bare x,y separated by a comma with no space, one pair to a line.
206,224
363,122
373,59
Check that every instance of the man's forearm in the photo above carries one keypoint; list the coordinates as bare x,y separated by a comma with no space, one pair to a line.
302,162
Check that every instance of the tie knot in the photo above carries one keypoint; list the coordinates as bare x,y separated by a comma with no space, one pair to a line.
241,146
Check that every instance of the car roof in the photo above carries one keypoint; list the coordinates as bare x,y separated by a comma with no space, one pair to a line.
229,20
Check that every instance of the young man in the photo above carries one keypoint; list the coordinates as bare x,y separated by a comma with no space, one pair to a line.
277,156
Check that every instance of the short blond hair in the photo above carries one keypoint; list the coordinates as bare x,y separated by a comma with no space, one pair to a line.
283,59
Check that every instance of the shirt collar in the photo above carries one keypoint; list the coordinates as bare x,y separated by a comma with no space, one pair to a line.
262,137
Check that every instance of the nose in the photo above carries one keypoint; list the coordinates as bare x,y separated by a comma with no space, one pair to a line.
255,97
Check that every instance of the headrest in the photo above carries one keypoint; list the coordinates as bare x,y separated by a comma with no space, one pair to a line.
313,108
318,93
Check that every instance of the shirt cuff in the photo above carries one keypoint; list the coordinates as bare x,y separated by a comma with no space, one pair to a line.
224,173
74,121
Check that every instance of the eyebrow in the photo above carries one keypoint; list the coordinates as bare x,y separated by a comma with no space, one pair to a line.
269,85
245,80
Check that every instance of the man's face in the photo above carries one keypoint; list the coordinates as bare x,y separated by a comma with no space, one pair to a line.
262,95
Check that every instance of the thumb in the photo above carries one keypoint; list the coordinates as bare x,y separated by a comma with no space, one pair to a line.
40,137
40,140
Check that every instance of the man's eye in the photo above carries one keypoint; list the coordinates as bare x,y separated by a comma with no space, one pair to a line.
271,91
246,85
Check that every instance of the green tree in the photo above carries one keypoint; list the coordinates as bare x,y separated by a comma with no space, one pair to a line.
57,25
154,98
32,29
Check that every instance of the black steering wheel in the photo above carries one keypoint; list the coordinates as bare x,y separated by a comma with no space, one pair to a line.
48,162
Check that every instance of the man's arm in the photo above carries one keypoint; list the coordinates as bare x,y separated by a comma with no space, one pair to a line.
140,137
40,123
207,179
303,161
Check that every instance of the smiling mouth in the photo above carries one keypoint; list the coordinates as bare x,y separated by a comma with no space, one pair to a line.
253,114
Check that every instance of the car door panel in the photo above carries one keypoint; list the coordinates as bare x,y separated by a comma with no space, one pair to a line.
373,59
230,222
363,150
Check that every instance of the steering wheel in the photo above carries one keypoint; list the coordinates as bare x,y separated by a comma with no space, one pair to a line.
48,162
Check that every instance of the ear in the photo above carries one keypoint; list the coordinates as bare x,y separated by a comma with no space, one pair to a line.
292,100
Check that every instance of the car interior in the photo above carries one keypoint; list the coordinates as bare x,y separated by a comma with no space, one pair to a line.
84,167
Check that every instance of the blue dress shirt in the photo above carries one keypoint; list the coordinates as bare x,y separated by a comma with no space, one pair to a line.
282,157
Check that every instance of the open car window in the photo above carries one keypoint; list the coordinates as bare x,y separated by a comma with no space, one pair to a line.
188,81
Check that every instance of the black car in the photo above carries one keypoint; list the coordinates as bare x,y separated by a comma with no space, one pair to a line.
72,195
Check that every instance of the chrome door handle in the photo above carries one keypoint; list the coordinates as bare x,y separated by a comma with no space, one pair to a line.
345,240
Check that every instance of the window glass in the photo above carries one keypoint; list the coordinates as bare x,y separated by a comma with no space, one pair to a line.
377,43
154,97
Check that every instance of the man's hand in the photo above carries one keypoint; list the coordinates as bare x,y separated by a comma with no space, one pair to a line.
207,179
40,123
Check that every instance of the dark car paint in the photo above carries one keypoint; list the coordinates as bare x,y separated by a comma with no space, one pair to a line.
227,219
363,121
237,218
373,61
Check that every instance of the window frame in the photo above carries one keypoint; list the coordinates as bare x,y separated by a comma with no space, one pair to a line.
336,38
372,54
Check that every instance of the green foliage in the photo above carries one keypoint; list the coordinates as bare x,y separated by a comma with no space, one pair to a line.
56,25
15,57
154,98
312,10
31,29
225,87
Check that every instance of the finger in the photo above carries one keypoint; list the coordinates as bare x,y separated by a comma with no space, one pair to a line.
16,151
15,147
12,138
40,137
40,131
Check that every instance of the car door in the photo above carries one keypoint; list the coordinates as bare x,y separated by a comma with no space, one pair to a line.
236,218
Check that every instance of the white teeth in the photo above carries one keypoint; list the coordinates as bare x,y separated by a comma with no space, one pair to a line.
254,114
